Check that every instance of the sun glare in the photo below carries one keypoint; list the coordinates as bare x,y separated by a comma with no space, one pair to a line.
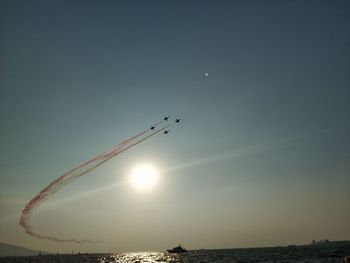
144,177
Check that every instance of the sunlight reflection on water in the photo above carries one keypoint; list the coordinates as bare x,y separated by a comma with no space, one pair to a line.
141,257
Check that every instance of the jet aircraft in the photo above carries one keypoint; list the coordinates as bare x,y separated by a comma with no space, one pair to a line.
178,120
153,127
166,131
166,118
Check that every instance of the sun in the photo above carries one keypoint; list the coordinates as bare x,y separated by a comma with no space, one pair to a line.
144,177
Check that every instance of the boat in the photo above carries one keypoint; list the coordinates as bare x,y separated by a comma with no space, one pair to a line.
178,249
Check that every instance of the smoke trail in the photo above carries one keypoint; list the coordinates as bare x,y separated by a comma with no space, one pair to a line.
131,139
72,175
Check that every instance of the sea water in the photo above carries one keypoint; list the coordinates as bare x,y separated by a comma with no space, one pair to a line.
291,254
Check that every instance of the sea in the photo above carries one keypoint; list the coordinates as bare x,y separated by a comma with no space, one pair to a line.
290,254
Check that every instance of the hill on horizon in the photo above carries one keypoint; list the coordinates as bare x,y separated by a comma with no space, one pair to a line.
13,250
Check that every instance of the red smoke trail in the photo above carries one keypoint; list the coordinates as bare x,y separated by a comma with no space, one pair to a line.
129,140
42,194
73,174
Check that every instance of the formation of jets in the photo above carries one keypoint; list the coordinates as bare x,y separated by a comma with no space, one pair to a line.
166,118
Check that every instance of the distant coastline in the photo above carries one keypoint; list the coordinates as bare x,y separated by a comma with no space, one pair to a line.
317,243
9,250
326,252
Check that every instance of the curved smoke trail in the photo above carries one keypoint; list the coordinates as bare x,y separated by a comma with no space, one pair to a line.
72,175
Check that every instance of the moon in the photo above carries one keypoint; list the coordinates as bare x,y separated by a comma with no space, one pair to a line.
144,177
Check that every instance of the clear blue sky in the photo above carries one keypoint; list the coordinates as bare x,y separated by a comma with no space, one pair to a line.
263,153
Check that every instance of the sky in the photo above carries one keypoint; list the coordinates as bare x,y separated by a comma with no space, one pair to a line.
260,158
